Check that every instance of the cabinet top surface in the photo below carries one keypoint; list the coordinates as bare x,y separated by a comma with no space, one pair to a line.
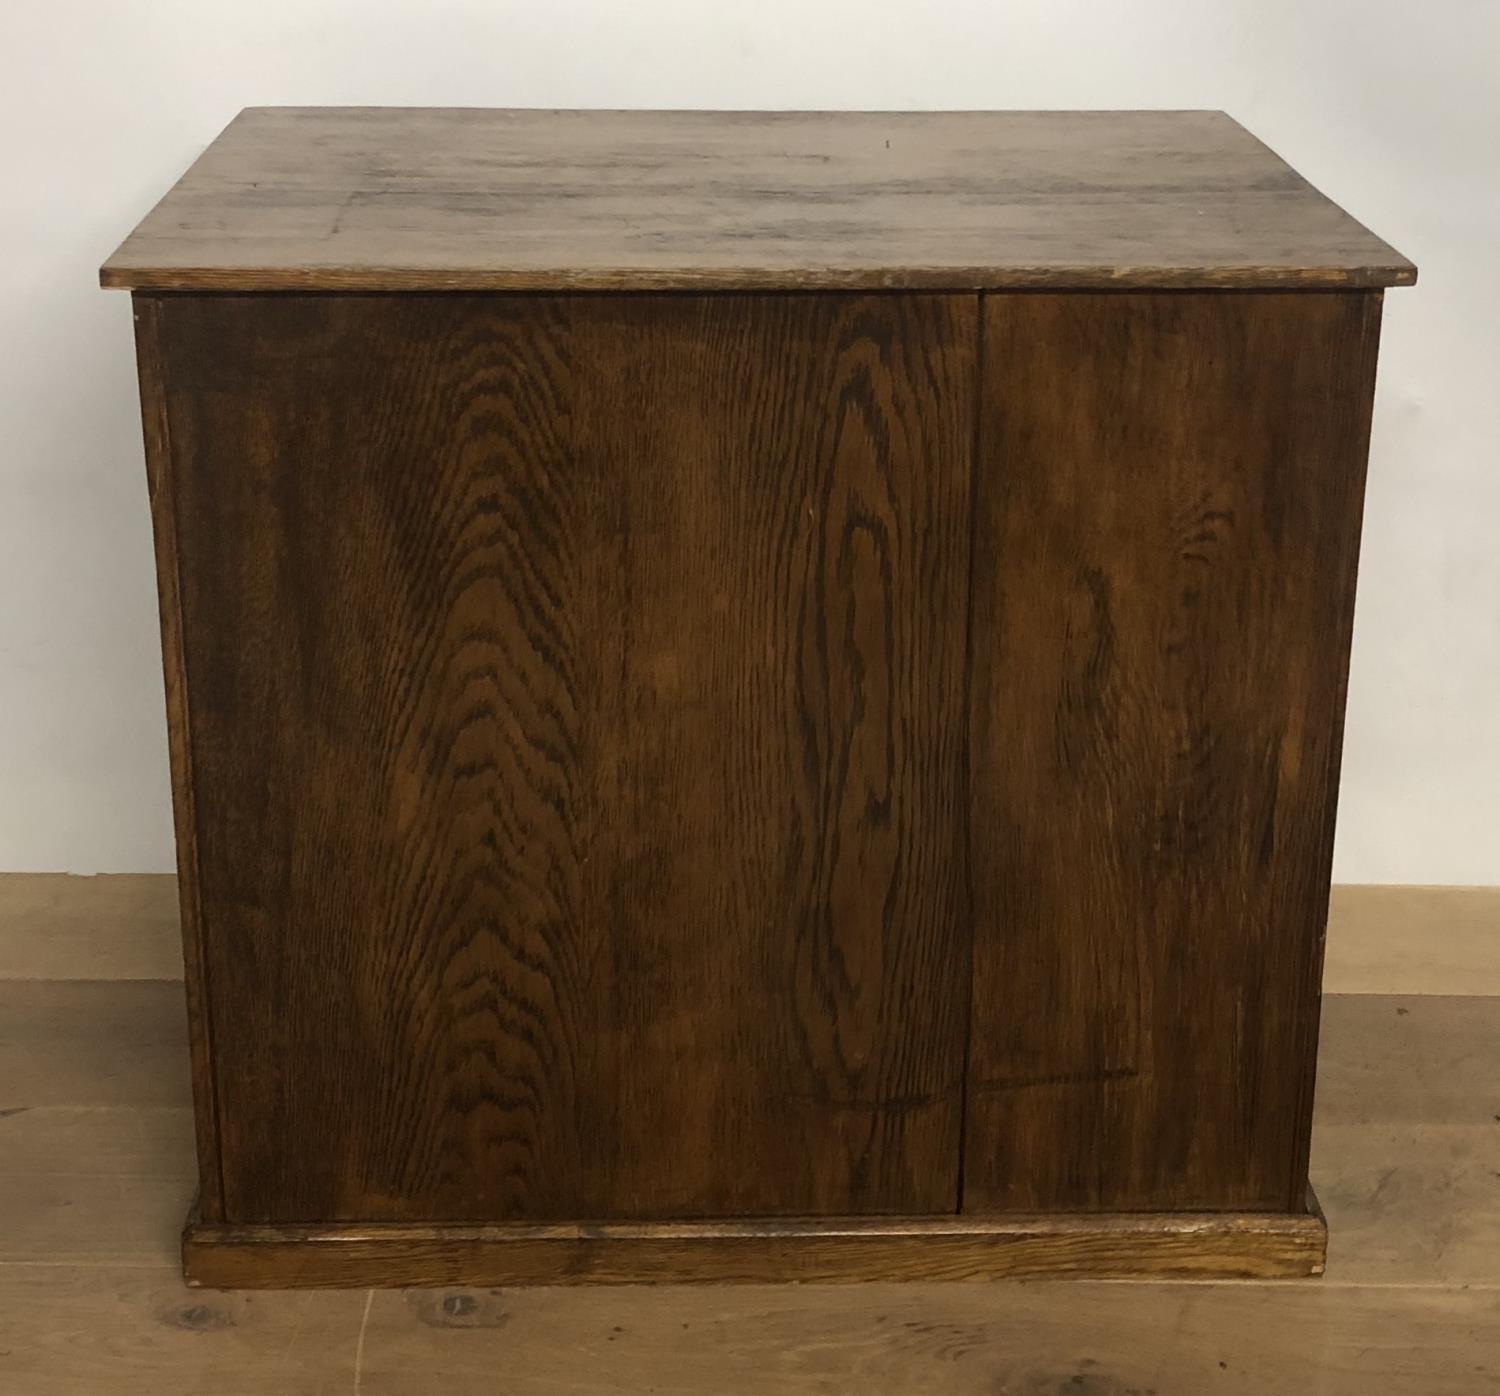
405,198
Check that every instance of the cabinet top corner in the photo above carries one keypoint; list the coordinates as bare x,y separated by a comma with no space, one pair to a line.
471,199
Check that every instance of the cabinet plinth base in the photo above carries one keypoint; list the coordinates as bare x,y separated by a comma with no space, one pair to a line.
1205,1245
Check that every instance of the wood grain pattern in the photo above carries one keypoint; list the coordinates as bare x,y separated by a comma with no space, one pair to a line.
1406,1144
68,1330
1382,938
1214,1245
1036,1339
156,431
412,199
577,738
1168,521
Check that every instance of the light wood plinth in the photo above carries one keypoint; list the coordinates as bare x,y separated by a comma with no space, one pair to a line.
1208,1245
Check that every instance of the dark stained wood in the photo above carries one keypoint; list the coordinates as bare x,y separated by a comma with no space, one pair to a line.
577,741
1212,1245
717,784
1168,511
156,430
412,199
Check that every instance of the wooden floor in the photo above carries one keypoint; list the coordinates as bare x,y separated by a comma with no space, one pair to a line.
96,1164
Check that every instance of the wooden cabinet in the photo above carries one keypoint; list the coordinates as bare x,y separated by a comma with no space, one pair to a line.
752,696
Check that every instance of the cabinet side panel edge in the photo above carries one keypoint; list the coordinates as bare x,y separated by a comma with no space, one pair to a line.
1363,358
156,430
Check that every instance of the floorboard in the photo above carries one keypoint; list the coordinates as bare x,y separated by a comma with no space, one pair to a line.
118,1331
84,1042
1393,1059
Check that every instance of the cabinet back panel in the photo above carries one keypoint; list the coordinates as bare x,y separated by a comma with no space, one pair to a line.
576,708
1168,505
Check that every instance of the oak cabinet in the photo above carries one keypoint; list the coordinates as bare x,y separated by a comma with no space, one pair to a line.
752,695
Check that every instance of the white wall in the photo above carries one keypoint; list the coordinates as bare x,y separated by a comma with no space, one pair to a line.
1394,112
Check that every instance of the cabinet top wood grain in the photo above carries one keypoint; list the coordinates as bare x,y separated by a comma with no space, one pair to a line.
401,199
